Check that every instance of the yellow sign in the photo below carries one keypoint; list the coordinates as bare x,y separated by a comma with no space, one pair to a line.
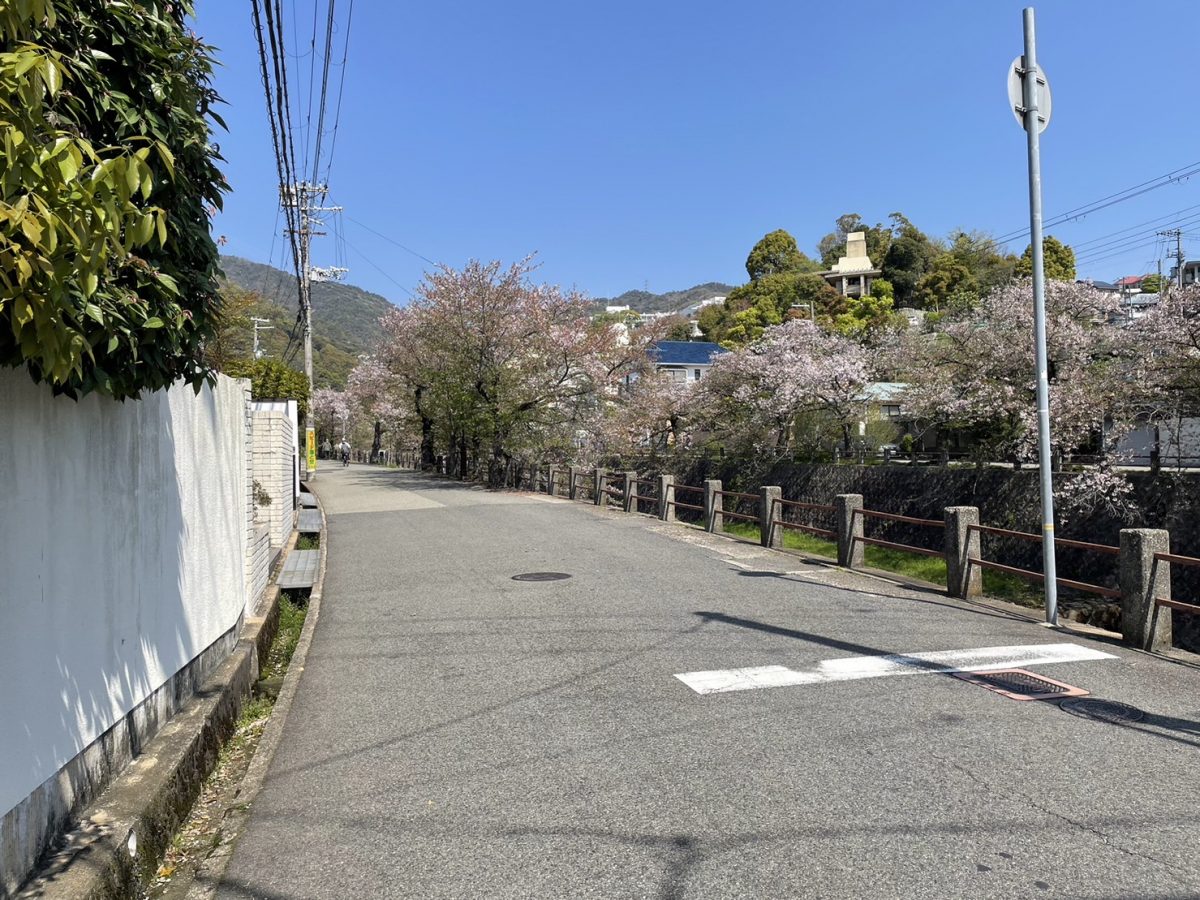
311,444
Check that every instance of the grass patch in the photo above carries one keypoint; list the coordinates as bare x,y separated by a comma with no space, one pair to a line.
1000,585
308,542
292,608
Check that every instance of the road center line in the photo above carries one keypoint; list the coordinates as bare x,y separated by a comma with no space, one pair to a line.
850,668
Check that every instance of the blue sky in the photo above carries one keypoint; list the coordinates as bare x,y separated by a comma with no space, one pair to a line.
650,144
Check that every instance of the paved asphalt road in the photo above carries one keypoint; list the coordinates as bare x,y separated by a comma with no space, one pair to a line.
460,734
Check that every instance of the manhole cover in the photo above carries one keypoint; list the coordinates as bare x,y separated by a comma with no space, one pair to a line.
541,576
1019,684
1103,711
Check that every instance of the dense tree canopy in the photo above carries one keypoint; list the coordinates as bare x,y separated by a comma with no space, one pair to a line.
485,366
1058,260
776,253
107,266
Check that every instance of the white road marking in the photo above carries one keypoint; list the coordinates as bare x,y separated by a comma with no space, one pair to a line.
980,659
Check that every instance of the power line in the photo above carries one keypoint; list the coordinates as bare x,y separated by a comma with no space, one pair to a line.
1124,245
278,135
337,118
324,89
371,263
1138,239
1173,177
1154,222
392,241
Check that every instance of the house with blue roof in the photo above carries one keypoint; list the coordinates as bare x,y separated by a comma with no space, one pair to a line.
685,360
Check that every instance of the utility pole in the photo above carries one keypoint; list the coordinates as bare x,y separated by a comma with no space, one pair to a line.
1178,235
259,325
1029,95
305,197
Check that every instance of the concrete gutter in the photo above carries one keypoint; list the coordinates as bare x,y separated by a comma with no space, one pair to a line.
208,874
116,850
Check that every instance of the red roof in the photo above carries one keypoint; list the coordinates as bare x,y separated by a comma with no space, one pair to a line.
1130,281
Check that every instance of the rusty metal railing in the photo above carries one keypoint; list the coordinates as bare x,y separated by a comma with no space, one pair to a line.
687,488
800,526
1086,587
644,498
1176,559
738,497
893,545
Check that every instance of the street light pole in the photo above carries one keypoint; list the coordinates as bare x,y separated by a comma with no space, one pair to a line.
1032,98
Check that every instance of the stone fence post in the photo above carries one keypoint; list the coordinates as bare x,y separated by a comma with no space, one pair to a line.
770,534
666,493
714,518
849,526
573,485
1143,623
630,483
552,482
962,542
599,483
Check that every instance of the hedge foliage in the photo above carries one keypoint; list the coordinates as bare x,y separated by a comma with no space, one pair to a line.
108,178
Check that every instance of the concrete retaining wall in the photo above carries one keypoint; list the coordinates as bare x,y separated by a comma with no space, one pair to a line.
124,536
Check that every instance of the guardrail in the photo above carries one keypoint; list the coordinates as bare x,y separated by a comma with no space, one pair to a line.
687,489
1144,557
733,513
639,498
783,505
1031,575
894,545
1176,559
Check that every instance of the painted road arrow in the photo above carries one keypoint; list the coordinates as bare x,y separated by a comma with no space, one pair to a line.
850,668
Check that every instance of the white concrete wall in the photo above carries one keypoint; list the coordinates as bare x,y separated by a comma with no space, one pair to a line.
274,469
123,548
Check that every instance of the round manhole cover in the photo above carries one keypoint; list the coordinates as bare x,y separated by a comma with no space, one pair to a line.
541,576
1103,711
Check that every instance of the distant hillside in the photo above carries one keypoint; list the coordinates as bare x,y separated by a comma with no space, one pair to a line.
345,318
672,301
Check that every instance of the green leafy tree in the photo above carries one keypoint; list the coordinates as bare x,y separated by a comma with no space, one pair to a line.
948,285
979,253
754,307
909,257
1152,284
775,253
867,316
271,379
107,177
1058,260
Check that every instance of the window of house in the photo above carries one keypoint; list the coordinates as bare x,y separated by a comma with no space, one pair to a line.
891,410
697,374
678,375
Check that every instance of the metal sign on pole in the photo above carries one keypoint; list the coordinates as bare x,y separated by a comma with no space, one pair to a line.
1032,107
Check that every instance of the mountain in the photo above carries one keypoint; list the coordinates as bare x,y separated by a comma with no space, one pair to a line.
671,301
345,318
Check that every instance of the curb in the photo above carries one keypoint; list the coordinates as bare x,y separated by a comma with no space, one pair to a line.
209,873
115,849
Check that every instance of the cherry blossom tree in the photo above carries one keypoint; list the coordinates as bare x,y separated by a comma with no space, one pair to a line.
497,366
379,395
332,412
753,396
976,375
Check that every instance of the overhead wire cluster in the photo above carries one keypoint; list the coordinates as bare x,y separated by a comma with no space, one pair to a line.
297,181
1134,238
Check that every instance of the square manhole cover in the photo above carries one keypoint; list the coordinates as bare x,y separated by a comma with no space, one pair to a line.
1019,684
